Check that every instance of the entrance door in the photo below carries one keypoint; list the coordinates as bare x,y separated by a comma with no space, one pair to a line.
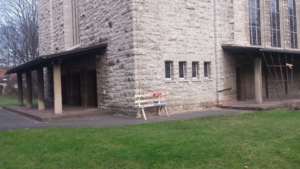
92,88
76,88
240,84
64,89
89,88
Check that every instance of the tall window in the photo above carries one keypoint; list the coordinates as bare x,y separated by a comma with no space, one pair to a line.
168,69
75,25
293,24
207,70
182,70
254,22
275,23
195,70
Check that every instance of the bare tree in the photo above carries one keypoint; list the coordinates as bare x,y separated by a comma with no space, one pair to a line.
18,31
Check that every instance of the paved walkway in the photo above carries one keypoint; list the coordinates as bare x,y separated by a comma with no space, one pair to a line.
13,121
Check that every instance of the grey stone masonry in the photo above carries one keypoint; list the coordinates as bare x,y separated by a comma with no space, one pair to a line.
143,34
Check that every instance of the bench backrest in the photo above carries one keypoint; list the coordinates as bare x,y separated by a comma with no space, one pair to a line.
146,99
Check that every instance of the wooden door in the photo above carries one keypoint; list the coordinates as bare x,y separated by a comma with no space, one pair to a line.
92,88
76,88
240,84
64,89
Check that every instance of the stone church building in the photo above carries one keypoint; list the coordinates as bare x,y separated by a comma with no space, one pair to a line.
199,53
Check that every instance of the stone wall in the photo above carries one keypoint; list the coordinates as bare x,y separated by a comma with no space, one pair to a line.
48,81
45,22
99,22
51,26
190,31
226,63
143,34
112,22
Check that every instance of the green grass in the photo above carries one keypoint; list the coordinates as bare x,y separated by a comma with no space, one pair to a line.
260,140
12,101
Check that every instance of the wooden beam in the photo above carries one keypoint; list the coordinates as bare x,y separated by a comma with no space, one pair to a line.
29,89
41,101
57,88
258,80
20,89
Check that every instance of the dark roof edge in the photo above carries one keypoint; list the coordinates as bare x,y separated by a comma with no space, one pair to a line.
56,56
75,51
230,47
27,64
257,49
291,51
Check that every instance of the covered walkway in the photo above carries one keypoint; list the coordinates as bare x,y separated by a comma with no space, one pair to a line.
55,62
47,115
268,104
273,76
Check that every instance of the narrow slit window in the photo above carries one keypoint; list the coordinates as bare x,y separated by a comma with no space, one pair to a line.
195,70
275,23
293,24
75,20
254,22
207,70
182,70
168,69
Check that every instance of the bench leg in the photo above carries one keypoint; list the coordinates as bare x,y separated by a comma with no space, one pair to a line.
138,114
166,110
144,115
159,111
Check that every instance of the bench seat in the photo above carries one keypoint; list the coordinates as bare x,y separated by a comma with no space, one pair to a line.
150,100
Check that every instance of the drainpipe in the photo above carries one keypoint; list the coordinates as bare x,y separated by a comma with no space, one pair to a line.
215,50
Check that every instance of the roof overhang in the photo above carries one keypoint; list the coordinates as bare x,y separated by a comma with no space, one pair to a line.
240,49
47,60
255,49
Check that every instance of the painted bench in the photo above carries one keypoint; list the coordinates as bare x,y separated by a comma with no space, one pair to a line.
150,100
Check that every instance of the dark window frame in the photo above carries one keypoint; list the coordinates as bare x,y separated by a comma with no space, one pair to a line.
195,70
182,69
293,24
207,70
254,22
275,23
168,69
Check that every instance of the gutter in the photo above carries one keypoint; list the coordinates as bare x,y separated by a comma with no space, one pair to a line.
216,51
26,65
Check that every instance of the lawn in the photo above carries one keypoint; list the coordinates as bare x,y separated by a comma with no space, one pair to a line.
11,101
259,140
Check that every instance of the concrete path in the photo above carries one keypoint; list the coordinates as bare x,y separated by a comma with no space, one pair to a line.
10,121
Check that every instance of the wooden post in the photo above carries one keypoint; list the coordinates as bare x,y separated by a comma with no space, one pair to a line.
40,76
84,88
20,89
70,95
57,88
29,89
258,80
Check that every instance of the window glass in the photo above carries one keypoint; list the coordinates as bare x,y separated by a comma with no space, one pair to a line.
168,69
275,23
195,68
254,22
293,23
207,69
182,69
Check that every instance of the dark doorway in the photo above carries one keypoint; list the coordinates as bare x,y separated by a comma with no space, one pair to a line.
88,88
76,88
92,88
240,84
64,89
